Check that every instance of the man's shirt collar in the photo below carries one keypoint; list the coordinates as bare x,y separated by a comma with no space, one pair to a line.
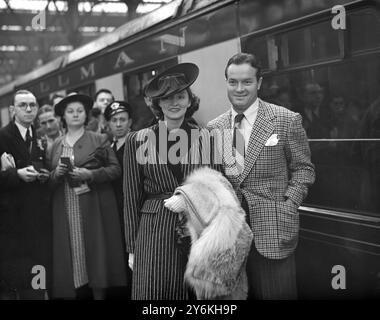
249,114
120,142
22,130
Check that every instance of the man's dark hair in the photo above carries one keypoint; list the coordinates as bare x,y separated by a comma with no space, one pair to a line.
242,58
103,91
194,105
22,91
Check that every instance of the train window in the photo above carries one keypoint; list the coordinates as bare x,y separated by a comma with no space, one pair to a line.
134,84
264,48
278,90
295,48
324,41
340,105
364,30
256,15
310,44
205,30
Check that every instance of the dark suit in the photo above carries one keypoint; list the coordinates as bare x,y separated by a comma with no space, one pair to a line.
118,183
316,126
25,223
273,173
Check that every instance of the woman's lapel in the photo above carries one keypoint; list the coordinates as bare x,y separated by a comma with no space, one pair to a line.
82,149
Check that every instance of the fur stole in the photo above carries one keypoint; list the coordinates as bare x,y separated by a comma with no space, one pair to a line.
221,238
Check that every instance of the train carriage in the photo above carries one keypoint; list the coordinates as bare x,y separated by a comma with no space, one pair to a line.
322,63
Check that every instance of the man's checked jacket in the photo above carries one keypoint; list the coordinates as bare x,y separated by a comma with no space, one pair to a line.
271,175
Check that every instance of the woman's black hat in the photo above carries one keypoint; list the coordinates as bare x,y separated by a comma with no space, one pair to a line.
172,80
84,99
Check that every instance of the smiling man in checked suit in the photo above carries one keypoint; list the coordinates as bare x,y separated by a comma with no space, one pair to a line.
266,157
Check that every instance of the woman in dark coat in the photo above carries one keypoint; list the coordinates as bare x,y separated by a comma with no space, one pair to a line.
154,233
87,240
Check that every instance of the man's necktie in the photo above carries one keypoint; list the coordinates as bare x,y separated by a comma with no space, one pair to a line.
114,146
28,140
238,143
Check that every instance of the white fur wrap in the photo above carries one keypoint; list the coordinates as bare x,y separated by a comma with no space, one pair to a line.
221,238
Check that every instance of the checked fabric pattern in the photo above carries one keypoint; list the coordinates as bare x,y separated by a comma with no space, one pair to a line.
272,174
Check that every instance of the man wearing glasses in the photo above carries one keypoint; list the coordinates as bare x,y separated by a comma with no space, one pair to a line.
24,216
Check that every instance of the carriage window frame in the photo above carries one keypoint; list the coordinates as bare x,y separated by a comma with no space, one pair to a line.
355,52
270,62
284,59
360,205
279,61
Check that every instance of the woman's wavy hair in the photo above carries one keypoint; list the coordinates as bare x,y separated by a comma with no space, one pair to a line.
194,105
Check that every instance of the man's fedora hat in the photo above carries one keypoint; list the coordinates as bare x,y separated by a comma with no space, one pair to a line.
116,107
85,100
172,80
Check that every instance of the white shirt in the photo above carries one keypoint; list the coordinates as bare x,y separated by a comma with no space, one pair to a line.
247,122
23,130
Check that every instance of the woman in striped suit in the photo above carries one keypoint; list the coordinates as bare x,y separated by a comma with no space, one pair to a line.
153,233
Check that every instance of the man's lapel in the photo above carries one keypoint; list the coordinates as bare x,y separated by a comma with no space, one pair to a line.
261,131
120,154
35,149
18,142
83,150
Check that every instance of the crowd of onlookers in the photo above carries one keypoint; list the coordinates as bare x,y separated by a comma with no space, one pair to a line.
76,204
42,149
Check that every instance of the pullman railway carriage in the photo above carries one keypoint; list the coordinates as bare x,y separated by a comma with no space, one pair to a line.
321,62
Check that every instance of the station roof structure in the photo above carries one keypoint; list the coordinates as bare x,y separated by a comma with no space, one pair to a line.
34,32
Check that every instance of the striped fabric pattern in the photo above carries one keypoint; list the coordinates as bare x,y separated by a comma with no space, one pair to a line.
75,222
271,279
159,264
